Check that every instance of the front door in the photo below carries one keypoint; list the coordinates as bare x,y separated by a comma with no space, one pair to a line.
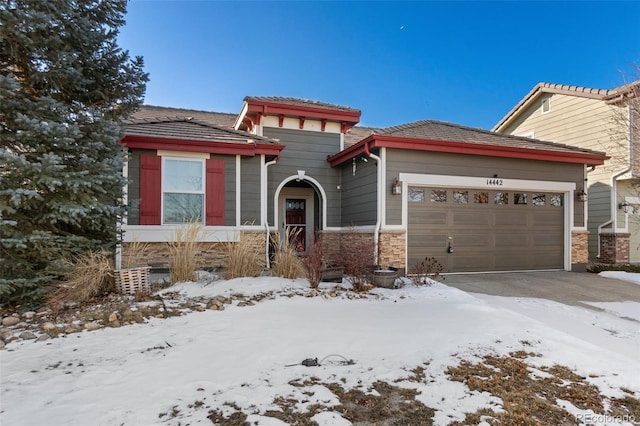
295,224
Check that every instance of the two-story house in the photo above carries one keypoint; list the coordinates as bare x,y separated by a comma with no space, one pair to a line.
602,120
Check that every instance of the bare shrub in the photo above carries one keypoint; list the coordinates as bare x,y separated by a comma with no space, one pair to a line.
429,268
286,261
314,261
91,275
356,258
183,250
243,260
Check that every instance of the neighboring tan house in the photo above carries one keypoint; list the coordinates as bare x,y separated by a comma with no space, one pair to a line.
602,120
475,200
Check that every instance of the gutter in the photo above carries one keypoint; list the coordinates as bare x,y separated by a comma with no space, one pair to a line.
264,206
376,232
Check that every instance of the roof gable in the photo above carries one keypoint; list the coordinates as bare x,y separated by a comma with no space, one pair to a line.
605,95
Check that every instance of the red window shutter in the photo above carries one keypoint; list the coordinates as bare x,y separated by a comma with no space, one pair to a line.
214,204
150,189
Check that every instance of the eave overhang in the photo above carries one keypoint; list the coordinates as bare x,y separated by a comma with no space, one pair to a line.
431,145
212,147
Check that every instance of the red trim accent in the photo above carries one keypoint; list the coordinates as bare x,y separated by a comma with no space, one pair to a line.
212,147
150,189
214,204
432,145
301,123
352,117
323,125
280,120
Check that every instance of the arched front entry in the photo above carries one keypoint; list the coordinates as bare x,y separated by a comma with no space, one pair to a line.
300,207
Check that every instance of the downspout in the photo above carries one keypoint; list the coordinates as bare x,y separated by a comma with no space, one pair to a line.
264,203
376,232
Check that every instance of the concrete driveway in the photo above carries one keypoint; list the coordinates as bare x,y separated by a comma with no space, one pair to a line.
571,288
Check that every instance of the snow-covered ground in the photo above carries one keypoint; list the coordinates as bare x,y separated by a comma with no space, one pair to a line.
196,362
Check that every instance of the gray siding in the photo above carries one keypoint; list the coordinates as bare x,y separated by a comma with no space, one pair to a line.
229,188
250,191
403,161
133,188
306,151
359,195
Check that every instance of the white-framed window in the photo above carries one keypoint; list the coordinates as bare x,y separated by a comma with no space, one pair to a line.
546,105
183,189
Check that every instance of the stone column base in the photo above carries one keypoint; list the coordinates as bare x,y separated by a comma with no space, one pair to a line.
579,250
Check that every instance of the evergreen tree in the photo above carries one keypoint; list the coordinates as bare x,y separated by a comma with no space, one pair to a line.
65,88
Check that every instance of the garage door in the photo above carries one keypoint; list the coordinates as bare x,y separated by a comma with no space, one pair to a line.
486,230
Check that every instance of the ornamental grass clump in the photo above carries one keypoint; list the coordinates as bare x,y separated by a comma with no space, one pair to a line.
243,256
183,250
286,261
90,275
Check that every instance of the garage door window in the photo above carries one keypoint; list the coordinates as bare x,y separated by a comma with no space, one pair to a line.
439,195
461,197
538,199
416,195
520,198
481,197
556,200
501,198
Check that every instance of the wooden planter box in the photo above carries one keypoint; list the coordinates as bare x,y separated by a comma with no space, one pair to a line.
133,280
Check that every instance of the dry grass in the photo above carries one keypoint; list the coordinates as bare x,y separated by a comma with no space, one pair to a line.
243,260
286,262
91,275
527,400
183,250
137,255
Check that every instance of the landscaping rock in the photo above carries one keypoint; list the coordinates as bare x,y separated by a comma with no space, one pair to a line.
71,328
43,337
29,315
48,326
27,335
1,344
113,317
91,326
6,334
9,321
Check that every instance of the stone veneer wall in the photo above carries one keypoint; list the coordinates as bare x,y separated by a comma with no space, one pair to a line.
614,248
579,249
393,249
210,255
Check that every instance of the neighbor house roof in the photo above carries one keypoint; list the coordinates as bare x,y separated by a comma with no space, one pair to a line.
437,136
188,134
160,112
609,96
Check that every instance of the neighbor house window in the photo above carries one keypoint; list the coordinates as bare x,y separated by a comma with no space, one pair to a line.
183,190
546,105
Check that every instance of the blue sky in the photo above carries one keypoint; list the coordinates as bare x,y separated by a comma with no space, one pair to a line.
463,62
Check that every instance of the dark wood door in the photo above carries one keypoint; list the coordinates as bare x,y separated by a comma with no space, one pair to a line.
295,225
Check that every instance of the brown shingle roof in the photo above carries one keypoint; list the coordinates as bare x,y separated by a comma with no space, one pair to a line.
158,112
442,131
357,133
300,102
189,129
